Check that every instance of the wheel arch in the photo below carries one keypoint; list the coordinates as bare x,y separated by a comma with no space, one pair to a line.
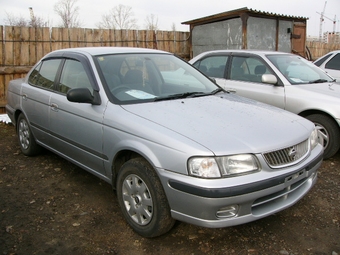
312,111
16,116
120,158
328,131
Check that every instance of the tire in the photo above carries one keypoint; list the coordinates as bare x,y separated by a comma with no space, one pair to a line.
26,139
328,132
142,199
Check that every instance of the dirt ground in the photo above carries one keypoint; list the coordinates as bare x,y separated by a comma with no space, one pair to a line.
50,206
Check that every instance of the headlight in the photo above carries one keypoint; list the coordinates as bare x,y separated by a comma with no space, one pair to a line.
314,139
210,167
204,167
238,164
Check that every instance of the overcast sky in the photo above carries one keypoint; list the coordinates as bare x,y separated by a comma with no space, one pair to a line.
175,12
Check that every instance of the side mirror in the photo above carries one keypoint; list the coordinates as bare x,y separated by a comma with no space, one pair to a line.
269,78
81,95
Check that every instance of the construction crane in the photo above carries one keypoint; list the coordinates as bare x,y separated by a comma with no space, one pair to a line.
321,20
32,16
333,20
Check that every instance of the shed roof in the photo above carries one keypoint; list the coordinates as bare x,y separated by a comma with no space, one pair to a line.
238,12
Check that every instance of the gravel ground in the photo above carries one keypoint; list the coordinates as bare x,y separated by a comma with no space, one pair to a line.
50,206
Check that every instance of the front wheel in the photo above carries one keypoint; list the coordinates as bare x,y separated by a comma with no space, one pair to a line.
142,199
27,142
328,133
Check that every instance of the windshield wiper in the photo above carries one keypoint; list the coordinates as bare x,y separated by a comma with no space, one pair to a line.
187,95
216,91
318,81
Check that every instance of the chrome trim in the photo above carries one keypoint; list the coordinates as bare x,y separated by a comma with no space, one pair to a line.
287,156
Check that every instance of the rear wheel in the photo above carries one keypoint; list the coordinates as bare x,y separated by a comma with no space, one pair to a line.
142,199
27,142
328,133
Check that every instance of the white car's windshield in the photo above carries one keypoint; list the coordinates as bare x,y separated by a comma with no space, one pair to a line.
132,78
298,70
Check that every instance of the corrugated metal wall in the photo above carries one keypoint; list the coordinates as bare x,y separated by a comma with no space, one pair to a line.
227,34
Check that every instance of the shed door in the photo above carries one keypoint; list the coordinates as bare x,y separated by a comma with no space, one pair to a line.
299,39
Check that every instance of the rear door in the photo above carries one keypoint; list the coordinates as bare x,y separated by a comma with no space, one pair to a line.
36,97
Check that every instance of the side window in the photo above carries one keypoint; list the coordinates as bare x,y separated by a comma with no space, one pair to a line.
334,63
248,69
44,74
73,76
34,76
213,66
239,69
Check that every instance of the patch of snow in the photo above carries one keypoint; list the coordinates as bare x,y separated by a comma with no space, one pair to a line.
5,118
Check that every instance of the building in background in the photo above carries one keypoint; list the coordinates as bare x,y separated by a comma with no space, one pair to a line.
248,29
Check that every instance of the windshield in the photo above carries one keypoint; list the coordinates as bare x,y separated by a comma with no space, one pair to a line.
135,78
298,70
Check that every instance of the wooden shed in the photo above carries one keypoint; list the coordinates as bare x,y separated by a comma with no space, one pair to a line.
248,29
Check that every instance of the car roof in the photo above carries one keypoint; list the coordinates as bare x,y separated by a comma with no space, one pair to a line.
334,51
328,54
258,52
107,50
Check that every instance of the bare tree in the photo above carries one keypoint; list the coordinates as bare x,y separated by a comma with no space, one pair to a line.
36,21
151,22
19,21
119,17
68,12
12,20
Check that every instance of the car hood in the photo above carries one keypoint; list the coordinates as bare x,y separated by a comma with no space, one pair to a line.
227,123
327,88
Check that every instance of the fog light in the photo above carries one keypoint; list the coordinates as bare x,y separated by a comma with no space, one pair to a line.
227,212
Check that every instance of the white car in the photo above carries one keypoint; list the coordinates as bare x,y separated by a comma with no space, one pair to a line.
283,80
330,63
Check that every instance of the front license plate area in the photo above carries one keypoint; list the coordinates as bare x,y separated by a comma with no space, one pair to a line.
295,177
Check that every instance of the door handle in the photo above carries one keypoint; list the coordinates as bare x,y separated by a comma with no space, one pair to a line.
54,107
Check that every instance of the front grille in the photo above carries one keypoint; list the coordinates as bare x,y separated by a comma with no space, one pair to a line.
287,156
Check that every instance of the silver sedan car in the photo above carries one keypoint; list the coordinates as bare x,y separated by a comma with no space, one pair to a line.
283,80
173,144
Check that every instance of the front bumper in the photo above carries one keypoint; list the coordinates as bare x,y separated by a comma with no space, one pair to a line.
194,202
